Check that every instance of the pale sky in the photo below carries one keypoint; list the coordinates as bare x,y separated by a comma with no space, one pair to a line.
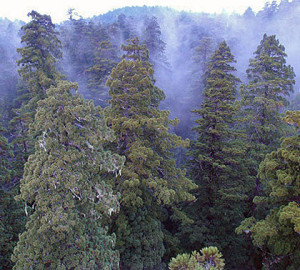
57,9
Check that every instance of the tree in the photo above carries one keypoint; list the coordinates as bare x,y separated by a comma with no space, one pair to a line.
37,64
5,154
209,258
105,60
263,98
202,54
12,223
5,175
249,14
61,184
39,56
156,46
277,234
215,164
269,10
12,220
270,81
150,178
126,27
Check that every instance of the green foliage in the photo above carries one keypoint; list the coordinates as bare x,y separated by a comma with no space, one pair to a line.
89,56
150,177
5,156
11,214
38,70
270,81
278,233
202,53
208,258
106,59
38,57
140,239
217,165
61,182
12,223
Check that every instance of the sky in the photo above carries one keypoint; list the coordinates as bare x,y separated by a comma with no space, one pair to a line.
57,9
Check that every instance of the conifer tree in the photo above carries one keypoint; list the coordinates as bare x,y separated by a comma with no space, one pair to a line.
150,178
277,235
5,154
154,43
215,164
126,27
105,60
217,115
39,55
6,242
202,53
38,72
85,44
270,82
12,220
61,184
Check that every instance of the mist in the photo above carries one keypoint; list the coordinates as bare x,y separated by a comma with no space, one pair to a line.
179,34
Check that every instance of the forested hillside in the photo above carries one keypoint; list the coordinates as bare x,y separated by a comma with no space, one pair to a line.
148,138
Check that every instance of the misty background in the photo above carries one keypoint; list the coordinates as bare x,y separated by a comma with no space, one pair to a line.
179,43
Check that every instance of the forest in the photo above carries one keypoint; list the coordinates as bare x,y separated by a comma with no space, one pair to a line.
149,138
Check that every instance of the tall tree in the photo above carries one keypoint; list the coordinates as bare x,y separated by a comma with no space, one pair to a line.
215,165
61,183
270,82
150,178
277,234
105,60
202,53
126,26
39,55
154,43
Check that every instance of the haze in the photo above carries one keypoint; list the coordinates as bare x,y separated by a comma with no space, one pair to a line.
57,9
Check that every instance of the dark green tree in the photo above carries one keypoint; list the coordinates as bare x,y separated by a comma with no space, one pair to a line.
5,175
270,81
61,183
6,155
39,55
11,214
37,64
217,165
277,234
150,178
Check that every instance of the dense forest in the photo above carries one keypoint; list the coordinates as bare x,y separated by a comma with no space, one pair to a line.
148,138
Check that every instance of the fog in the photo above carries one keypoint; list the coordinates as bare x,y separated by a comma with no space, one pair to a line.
177,70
